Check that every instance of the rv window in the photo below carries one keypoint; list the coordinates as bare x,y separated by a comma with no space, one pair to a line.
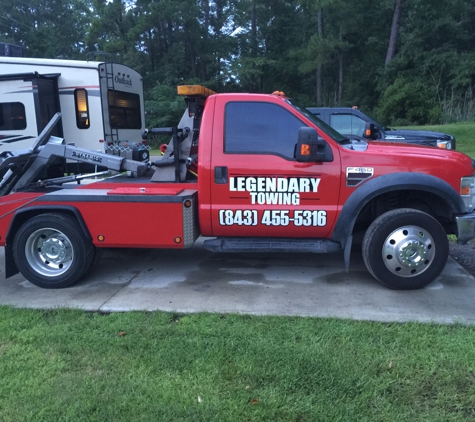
12,116
124,110
82,108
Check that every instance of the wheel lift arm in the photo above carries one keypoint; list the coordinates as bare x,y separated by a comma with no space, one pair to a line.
23,168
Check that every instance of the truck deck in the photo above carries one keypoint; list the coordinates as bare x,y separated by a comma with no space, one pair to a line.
128,198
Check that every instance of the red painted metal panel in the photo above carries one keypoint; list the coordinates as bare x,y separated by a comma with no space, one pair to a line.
145,190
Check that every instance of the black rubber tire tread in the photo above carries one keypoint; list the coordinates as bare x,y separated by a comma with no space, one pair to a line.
382,227
98,252
68,225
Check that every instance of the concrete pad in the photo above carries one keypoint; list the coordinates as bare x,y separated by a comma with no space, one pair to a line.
195,280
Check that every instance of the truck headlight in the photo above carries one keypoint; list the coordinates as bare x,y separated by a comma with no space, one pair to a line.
444,144
467,192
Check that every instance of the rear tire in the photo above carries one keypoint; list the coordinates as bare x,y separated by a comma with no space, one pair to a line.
51,251
405,249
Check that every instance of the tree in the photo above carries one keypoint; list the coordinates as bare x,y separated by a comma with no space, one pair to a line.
36,26
436,51
394,30
325,52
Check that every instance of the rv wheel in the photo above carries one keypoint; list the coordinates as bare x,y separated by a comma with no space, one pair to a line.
51,251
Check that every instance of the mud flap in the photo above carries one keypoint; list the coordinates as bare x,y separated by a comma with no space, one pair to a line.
346,253
10,266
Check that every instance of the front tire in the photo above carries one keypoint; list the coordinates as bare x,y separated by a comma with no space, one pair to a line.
51,251
405,249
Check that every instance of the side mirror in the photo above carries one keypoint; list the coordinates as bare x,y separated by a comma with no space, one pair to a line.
310,147
370,131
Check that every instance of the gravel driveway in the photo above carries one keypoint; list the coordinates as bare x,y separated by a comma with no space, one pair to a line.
464,255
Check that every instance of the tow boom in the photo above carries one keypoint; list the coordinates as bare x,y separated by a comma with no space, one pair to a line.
21,169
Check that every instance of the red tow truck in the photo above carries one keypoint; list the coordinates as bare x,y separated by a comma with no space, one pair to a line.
255,173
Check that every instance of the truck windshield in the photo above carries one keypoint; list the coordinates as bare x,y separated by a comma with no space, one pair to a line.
336,136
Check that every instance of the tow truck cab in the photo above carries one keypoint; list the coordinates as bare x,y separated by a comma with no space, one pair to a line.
256,172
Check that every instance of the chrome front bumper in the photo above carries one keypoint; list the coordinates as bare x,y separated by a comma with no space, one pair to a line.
465,227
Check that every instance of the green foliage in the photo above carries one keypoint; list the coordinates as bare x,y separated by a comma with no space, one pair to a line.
267,45
164,106
53,29
408,102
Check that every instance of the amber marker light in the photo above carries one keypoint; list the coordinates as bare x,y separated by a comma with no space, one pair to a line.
465,190
177,239
101,238
304,149
190,90
187,203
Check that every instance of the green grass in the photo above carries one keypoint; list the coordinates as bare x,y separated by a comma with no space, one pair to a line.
464,133
76,366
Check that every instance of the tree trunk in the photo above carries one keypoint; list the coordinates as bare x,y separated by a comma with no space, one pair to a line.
394,30
254,44
192,53
319,66
340,71
206,60
253,29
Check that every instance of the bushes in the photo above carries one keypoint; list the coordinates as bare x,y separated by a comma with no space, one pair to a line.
408,103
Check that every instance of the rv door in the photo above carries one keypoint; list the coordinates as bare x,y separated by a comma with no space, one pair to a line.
48,102
28,101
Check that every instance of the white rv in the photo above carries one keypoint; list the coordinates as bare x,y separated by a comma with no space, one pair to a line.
101,104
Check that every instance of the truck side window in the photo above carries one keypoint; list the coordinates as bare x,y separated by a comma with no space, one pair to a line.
82,108
347,124
260,128
12,116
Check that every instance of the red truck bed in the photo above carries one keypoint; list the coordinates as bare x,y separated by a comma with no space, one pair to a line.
120,212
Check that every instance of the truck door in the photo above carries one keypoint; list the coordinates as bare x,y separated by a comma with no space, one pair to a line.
257,187
47,102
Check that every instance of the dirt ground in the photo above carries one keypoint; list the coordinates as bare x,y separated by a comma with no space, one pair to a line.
464,255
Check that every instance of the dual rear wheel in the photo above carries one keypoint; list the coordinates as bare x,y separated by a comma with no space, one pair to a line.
51,251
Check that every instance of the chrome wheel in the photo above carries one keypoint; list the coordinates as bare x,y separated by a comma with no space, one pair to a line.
405,249
408,251
49,252
52,251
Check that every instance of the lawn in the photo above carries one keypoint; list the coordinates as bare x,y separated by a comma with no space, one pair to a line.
76,366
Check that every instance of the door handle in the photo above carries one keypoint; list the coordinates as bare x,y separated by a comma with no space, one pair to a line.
220,175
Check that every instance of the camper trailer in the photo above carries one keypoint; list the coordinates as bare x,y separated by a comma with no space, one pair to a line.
101,104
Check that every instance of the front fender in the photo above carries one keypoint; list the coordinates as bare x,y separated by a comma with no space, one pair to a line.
391,183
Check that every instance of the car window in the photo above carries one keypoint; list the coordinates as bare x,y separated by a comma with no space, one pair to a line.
347,124
330,131
260,128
